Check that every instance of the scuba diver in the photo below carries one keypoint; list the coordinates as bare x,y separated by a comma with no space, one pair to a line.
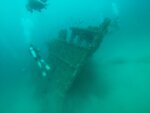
44,1
36,5
40,62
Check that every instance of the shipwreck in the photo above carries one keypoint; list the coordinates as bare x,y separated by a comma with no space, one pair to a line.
68,55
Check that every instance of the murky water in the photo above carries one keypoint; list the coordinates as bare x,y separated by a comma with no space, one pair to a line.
122,63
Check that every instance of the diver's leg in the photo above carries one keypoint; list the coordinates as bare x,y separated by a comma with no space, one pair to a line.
44,74
42,68
47,67
39,64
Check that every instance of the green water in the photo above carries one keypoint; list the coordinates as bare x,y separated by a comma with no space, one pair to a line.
122,62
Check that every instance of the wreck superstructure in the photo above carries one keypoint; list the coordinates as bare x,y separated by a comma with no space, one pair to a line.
68,54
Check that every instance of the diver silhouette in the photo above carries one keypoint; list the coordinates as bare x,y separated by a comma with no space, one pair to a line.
36,5
44,67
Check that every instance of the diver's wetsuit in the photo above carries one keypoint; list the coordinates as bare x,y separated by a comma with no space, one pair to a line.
40,62
36,5
44,1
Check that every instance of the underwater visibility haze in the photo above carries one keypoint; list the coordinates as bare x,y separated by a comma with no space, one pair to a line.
121,63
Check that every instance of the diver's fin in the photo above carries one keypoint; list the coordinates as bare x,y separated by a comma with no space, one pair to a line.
44,74
47,67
